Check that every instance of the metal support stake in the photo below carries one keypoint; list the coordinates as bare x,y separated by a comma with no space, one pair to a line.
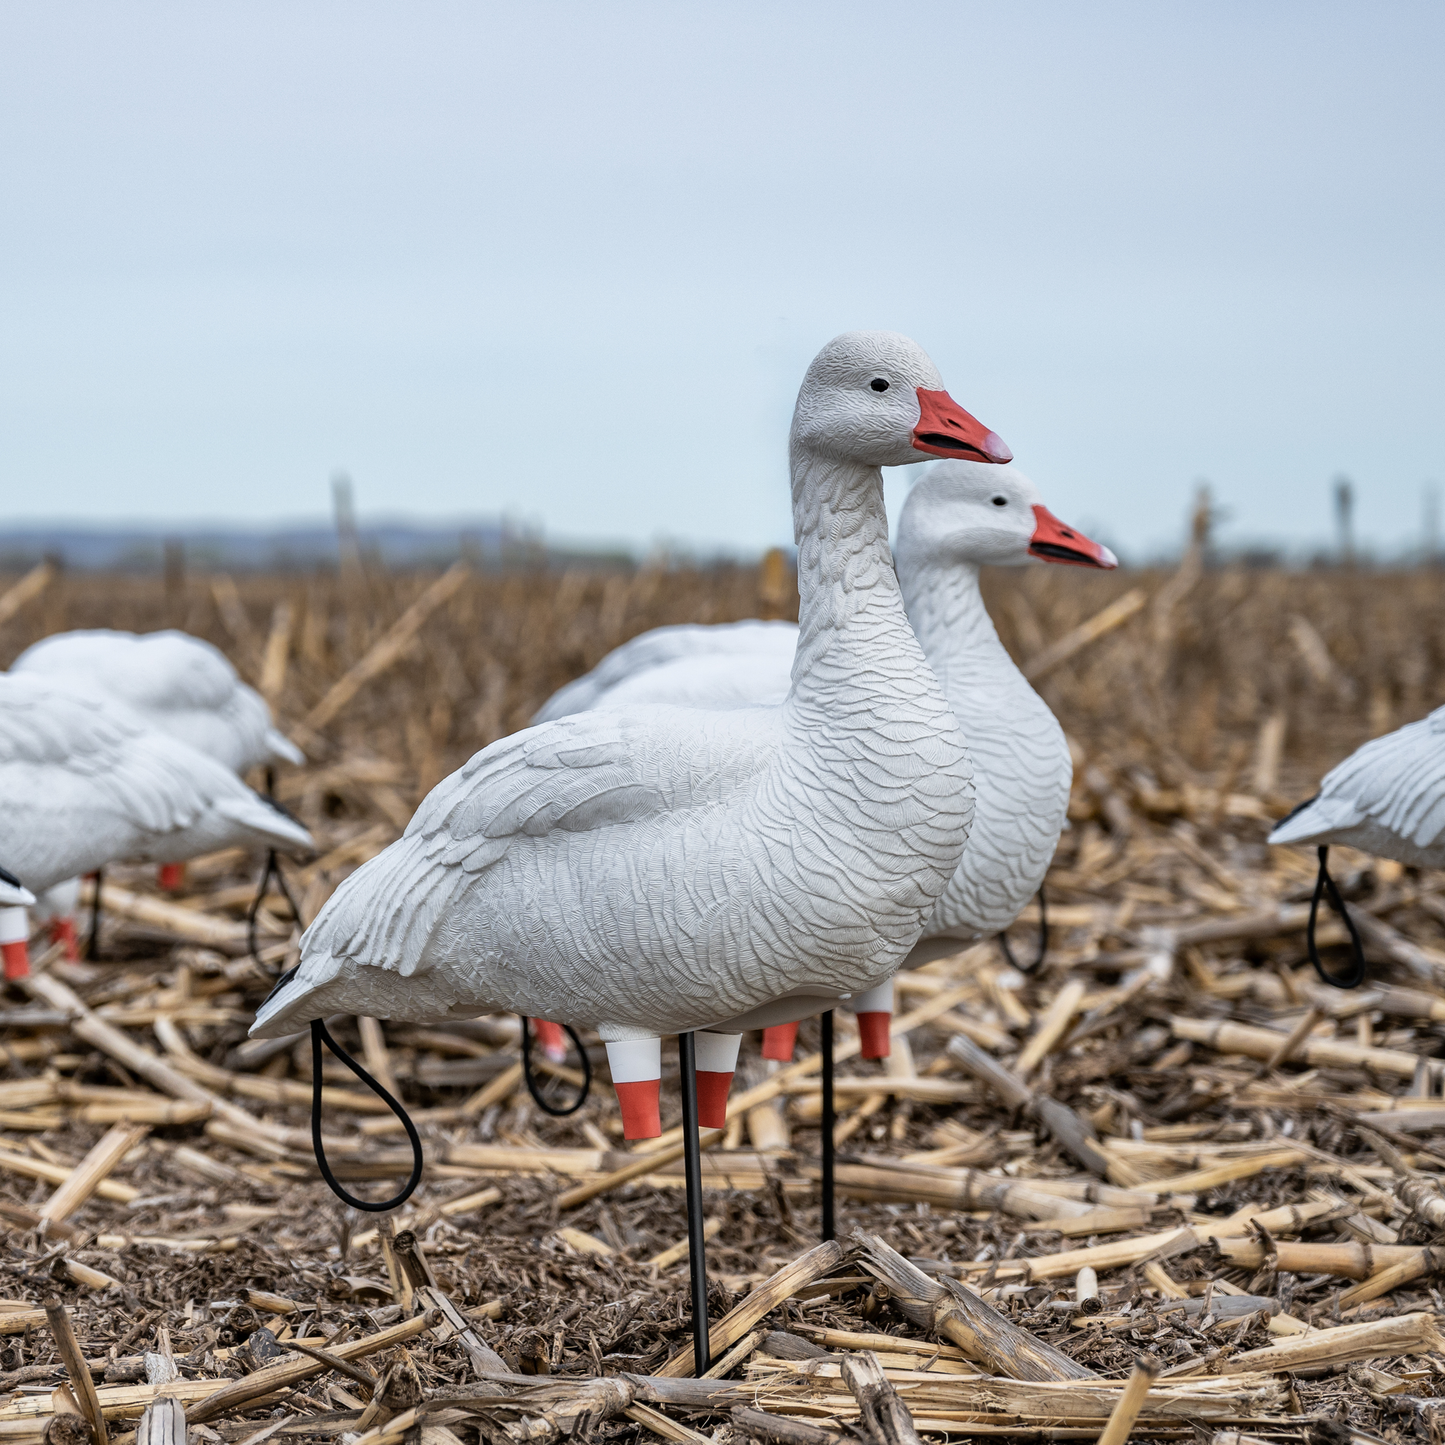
828,1117
692,1172
92,944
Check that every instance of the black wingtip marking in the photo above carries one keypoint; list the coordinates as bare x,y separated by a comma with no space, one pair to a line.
1297,810
280,984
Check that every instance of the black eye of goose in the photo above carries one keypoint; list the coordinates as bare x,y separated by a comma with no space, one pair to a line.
1000,501
878,384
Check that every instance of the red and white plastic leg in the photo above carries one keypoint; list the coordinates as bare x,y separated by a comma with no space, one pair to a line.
62,930
551,1039
874,1008
717,1060
780,1041
636,1067
15,942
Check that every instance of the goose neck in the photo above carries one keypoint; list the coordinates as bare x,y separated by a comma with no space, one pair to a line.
848,593
945,608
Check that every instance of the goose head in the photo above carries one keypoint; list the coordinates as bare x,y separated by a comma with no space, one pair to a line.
967,512
875,398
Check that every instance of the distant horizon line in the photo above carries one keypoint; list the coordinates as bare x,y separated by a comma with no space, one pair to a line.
400,539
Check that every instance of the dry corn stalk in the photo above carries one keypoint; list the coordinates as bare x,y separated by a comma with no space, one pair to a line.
944,1307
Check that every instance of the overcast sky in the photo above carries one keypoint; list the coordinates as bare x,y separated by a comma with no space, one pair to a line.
569,261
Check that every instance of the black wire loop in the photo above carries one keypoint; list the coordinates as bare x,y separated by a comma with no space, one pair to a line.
1039,957
535,1089
271,870
1325,885
319,1036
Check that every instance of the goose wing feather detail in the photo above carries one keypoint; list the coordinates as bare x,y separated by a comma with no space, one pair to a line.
488,863
1387,798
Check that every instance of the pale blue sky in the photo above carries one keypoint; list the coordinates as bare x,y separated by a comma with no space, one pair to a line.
570,260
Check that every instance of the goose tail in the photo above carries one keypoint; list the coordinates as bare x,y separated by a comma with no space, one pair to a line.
282,749
1315,820
287,993
269,821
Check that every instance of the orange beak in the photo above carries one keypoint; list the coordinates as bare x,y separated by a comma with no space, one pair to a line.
1054,542
945,430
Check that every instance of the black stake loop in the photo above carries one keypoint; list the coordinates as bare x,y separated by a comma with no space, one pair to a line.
535,1089
1008,952
692,1174
319,1036
826,1137
271,870
1325,885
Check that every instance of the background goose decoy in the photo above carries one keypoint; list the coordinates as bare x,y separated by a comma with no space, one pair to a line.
178,683
1386,798
15,898
718,665
88,782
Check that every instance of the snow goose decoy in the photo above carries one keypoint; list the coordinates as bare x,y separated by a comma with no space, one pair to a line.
959,517
666,870
177,683
87,783
1386,798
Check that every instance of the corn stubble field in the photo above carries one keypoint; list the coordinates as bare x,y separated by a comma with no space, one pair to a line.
1169,1155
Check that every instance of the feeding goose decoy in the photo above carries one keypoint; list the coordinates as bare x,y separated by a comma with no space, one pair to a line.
87,783
1386,798
663,870
177,683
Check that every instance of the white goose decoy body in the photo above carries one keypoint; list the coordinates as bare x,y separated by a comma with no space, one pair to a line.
664,870
178,683
1386,798
87,783
717,665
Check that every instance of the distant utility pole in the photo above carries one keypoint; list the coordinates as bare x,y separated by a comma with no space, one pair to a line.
174,553
348,545
1344,519
1430,525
